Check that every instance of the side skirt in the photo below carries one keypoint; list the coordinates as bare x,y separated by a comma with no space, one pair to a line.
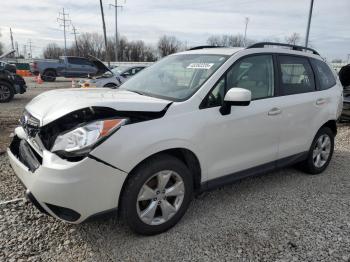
254,171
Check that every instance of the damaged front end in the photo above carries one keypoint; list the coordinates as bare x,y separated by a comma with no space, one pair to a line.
75,135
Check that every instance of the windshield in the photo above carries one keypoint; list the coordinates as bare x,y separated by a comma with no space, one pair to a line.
175,77
120,69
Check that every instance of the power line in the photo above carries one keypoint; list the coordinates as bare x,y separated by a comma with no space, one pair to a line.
116,6
63,21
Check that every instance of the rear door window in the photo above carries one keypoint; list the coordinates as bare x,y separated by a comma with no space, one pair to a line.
296,75
324,74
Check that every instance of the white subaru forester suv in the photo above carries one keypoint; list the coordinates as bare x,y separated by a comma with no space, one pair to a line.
191,122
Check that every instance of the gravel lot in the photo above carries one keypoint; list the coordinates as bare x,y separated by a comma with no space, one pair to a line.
282,216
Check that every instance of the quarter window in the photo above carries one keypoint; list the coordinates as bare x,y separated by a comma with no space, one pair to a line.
296,75
324,73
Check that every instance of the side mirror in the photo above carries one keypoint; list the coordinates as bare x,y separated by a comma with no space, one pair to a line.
235,97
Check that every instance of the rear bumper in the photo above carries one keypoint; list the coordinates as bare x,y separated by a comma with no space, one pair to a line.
70,191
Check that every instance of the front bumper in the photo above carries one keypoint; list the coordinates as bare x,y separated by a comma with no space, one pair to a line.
70,191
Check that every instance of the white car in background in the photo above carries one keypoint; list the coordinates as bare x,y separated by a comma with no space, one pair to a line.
112,78
193,121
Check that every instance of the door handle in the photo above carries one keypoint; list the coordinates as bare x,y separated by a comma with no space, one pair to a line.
320,101
274,111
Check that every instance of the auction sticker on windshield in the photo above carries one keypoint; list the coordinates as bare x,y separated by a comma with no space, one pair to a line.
200,65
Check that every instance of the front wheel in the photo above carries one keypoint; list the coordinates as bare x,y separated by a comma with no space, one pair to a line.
157,195
320,153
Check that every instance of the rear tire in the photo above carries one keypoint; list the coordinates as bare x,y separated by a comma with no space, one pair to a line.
157,195
320,153
49,76
6,92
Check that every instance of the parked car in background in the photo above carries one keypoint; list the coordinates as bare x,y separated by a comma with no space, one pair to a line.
192,121
344,75
67,66
10,82
112,78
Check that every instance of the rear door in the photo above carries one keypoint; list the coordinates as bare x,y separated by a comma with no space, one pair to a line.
303,109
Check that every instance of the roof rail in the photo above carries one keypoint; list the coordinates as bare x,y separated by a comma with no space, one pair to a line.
205,46
293,47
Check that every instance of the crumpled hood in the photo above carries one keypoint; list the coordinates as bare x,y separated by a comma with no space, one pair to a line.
52,105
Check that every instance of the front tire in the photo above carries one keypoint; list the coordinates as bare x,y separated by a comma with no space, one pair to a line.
157,195
320,153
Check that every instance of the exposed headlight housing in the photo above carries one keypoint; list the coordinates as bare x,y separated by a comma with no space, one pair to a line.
83,139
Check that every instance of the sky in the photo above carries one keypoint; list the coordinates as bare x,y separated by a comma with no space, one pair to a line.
192,21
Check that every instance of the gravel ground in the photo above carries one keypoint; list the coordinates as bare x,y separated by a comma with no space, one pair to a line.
283,216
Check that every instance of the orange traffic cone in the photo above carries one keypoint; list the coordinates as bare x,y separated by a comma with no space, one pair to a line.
39,80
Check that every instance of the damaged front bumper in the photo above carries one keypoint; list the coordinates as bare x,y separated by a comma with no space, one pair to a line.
70,191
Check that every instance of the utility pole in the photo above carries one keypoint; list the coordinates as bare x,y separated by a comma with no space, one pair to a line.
25,51
116,6
16,48
12,45
245,31
30,48
309,23
63,21
75,33
104,34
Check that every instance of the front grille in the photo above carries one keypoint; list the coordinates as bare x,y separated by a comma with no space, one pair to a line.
30,124
25,153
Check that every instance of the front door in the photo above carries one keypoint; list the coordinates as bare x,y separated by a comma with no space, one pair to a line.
248,137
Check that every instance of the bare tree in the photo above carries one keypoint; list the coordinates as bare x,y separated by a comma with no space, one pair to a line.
168,45
53,51
293,39
228,40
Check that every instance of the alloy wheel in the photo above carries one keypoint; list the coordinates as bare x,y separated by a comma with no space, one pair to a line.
321,151
160,197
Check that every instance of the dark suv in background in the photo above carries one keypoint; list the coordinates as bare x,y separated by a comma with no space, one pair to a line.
344,76
10,82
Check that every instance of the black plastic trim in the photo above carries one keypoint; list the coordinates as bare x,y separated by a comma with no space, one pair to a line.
35,202
294,47
64,213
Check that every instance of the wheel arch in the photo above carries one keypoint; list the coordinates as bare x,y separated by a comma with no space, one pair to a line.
50,69
184,155
332,124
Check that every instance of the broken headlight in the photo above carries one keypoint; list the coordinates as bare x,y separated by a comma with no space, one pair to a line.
81,140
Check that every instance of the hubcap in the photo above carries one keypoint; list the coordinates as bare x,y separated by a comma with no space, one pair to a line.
160,197
4,92
321,151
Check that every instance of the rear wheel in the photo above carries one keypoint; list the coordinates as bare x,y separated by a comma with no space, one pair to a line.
320,152
49,76
6,92
157,195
